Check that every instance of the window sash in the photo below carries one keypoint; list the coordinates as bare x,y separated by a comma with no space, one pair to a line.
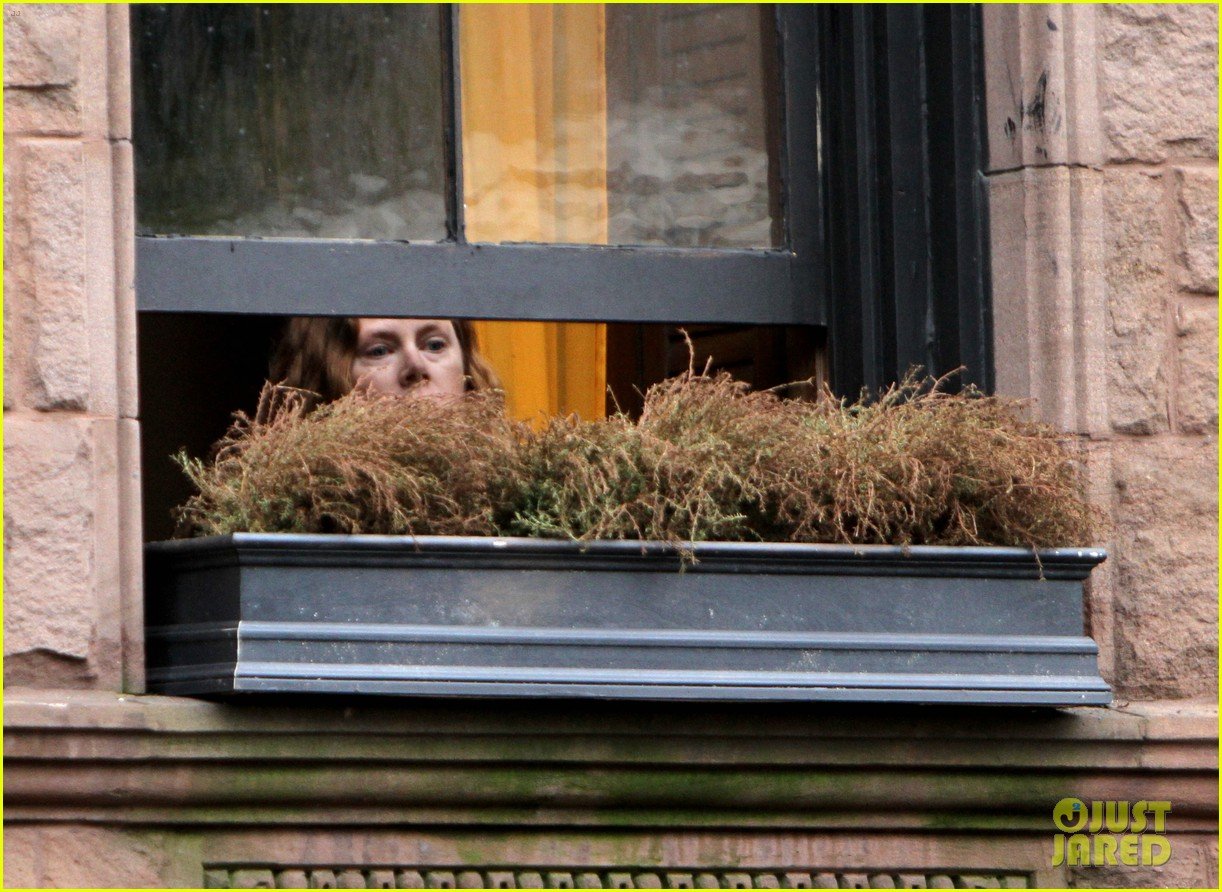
521,281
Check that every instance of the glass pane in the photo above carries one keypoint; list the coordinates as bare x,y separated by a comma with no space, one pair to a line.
622,124
692,125
289,120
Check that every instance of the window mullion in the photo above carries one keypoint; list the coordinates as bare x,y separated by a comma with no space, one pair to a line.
452,116
800,154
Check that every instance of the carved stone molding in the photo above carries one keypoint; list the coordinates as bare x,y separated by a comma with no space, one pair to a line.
561,877
176,762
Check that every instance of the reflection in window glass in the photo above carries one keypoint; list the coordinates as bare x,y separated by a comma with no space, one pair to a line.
306,120
691,125
628,124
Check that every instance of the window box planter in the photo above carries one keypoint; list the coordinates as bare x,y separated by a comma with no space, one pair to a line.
433,615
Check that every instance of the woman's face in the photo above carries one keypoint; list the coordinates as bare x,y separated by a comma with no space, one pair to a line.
409,357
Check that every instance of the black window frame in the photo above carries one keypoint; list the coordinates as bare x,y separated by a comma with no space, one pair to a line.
883,198
905,193
885,222
461,279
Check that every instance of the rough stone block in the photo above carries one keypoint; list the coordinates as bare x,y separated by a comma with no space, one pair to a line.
11,359
49,596
16,266
42,856
1197,251
1158,81
64,68
1135,272
1166,554
42,111
42,45
42,62
1196,325
59,368
72,575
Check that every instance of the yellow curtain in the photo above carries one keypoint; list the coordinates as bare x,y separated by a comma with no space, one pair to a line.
534,130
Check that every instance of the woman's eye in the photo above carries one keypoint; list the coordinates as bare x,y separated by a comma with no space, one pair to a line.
377,351
436,345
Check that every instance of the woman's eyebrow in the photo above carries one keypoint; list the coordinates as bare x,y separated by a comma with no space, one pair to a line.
387,334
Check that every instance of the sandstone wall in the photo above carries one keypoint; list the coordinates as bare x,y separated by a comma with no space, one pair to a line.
72,564
1103,149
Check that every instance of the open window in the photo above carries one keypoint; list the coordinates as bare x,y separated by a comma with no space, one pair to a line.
797,186
599,175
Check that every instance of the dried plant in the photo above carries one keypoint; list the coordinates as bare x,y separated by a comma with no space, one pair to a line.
685,472
707,460
918,465
362,464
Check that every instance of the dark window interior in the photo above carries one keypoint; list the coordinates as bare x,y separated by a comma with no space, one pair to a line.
197,369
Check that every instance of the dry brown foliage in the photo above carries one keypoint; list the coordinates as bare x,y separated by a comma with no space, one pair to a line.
918,465
362,464
708,460
687,471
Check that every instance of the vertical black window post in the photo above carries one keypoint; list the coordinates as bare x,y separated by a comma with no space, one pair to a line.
451,115
906,214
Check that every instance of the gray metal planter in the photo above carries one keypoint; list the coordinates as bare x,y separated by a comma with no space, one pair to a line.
436,615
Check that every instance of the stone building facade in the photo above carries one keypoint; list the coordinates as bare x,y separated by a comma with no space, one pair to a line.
1103,147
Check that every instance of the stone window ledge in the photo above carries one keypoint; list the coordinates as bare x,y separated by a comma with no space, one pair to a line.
93,756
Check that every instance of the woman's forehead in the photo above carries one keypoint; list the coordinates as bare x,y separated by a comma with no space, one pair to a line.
367,326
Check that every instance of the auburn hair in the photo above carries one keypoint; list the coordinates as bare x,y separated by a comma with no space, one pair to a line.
315,353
